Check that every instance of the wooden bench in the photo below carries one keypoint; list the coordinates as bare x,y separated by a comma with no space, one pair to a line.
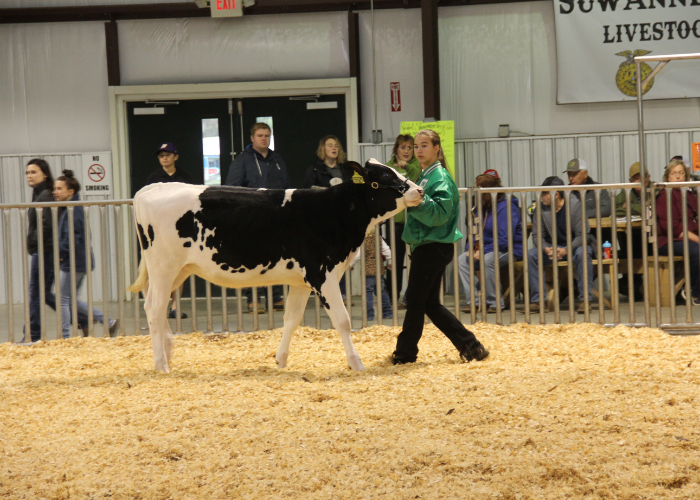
665,279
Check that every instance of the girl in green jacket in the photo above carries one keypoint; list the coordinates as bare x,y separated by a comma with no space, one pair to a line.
431,230
405,163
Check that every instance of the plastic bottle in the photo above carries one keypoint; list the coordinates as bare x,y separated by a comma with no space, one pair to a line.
607,250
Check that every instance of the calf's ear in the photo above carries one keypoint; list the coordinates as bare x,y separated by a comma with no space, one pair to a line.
351,167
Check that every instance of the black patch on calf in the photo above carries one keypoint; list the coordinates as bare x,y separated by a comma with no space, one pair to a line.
317,229
142,236
151,234
187,244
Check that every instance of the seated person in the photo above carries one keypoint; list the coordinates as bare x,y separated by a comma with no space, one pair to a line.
368,247
635,210
678,171
577,170
557,205
490,179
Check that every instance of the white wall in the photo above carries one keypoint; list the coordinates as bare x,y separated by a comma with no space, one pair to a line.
53,88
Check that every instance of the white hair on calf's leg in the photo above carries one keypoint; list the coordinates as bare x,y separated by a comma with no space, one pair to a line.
293,311
341,321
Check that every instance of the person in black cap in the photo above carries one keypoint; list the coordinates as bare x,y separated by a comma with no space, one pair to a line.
258,166
167,155
557,206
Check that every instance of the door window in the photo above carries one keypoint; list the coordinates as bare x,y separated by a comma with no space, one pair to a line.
211,152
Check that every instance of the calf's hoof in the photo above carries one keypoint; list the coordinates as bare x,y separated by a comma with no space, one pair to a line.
355,363
282,360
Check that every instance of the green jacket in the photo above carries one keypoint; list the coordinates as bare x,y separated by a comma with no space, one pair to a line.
635,203
435,219
412,171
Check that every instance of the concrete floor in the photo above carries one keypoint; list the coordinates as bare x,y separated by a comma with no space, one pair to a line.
131,326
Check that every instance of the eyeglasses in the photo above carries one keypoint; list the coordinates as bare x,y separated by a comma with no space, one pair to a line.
164,155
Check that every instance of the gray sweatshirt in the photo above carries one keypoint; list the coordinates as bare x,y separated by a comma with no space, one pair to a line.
574,212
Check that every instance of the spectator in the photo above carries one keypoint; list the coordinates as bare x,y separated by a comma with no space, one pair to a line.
327,171
577,171
40,180
548,253
66,188
635,210
404,162
431,230
260,167
371,274
167,155
678,171
491,179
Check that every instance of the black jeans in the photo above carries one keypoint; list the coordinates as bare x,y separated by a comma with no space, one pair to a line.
277,294
397,261
428,264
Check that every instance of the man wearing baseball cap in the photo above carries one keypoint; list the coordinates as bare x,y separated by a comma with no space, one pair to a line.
168,172
556,209
577,170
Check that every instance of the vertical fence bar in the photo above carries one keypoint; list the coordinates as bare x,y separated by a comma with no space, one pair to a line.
555,249
496,258
686,259
671,261
472,231
645,242
526,264
395,268
378,274
540,267
569,255
135,274
599,253
587,293
178,313
455,279
8,277
239,306
88,270
210,322
655,253
119,222
57,273
270,309
193,302
511,258
318,311
73,277
630,260
615,269
25,274
42,271
363,285
256,319
105,278
482,271
224,310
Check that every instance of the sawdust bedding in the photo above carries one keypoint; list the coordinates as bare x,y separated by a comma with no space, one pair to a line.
574,411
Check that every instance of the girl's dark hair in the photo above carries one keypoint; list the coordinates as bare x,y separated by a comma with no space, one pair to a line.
400,140
488,181
71,182
44,167
435,140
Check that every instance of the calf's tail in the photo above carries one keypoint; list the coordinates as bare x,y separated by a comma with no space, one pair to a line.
142,280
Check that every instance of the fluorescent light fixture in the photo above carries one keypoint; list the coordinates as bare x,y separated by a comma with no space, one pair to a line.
149,111
322,105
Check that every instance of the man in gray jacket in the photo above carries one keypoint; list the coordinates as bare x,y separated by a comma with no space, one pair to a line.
577,170
557,206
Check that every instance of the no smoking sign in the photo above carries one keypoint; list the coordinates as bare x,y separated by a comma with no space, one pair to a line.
97,173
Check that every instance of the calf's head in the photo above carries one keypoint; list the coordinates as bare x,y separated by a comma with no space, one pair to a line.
381,177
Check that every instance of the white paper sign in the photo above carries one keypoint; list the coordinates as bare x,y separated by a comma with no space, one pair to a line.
97,174
597,39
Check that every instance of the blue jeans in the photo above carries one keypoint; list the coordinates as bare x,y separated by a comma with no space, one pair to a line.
489,272
371,285
82,306
693,261
34,297
578,267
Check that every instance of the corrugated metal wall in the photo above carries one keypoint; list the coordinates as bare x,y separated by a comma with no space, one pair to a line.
14,189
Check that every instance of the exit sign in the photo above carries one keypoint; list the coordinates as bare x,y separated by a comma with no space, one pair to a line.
226,8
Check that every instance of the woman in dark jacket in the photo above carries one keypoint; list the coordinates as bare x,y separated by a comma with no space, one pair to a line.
678,171
66,188
327,171
41,181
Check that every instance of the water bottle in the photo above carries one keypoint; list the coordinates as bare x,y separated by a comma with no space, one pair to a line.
607,250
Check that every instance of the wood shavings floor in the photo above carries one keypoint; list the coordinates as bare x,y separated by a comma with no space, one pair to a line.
562,411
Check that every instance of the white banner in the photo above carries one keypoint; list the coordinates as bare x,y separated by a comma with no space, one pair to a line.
597,39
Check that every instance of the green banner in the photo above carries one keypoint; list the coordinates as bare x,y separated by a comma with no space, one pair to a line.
445,129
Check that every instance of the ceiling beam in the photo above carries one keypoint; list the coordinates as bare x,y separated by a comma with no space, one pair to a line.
190,9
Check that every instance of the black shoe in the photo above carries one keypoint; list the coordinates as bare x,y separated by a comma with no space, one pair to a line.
173,314
395,360
478,353
113,326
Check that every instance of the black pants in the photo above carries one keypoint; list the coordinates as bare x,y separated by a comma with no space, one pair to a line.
428,264
397,261
277,294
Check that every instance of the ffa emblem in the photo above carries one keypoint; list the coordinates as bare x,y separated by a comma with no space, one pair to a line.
626,78
570,164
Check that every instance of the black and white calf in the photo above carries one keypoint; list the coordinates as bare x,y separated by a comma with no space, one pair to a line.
240,237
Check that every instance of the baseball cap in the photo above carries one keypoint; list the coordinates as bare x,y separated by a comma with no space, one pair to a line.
492,173
168,147
634,169
553,181
575,165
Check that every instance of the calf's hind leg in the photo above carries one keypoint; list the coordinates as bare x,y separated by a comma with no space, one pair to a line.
156,307
293,312
341,320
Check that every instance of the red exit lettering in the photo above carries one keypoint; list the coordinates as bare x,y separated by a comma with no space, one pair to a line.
225,4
